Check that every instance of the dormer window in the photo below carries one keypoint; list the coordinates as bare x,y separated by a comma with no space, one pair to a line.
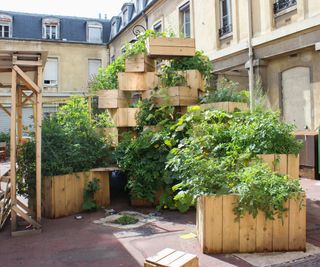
115,23
5,26
94,32
125,18
51,28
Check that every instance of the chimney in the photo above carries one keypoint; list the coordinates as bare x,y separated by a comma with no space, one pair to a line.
105,16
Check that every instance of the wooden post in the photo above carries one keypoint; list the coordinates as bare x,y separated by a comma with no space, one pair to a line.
19,115
38,144
13,148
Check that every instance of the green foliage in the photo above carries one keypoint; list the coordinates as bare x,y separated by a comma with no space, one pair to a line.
107,78
5,137
143,160
70,143
199,62
149,114
226,91
213,153
139,46
89,204
126,220
170,78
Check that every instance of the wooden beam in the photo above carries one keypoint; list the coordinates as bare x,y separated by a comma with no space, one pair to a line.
25,216
19,116
27,98
5,110
38,144
27,79
13,145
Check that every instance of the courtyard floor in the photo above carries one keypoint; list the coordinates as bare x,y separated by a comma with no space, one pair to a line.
70,242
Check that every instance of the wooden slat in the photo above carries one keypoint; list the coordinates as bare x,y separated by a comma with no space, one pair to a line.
213,224
263,233
170,258
268,159
59,196
160,255
280,233
297,224
27,79
230,233
187,260
13,147
281,164
247,234
293,166
25,216
5,109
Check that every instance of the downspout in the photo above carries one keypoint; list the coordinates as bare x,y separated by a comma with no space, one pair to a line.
251,58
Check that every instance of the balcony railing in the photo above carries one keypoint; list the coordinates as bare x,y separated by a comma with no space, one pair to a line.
281,5
225,30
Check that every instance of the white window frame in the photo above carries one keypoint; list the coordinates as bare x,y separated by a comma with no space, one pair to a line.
228,21
51,82
5,21
50,23
90,75
182,12
94,25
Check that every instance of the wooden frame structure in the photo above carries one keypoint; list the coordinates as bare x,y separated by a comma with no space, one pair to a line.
24,91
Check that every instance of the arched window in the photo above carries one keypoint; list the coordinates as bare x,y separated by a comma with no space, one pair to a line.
5,26
51,28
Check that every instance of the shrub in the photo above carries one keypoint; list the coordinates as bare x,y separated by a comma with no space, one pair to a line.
70,144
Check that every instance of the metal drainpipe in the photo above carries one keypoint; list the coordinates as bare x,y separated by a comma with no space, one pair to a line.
251,58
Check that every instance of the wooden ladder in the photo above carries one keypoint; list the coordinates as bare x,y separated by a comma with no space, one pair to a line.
5,197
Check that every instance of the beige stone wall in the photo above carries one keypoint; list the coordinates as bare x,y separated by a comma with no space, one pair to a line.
72,61
307,58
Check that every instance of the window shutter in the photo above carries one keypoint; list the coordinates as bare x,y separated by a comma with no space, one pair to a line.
51,70
93,68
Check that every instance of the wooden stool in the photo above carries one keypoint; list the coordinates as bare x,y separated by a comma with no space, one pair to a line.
172,258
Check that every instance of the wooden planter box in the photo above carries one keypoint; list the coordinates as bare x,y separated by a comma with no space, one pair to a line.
226,106
194,79
282,164
140,63
177,96
63,195
170,47
219,232
135,82
111,135
112,99
124,117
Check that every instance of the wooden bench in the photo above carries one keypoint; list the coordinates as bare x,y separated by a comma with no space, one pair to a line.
172,258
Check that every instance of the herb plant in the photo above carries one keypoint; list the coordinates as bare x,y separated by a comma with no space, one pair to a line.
89,204
126,220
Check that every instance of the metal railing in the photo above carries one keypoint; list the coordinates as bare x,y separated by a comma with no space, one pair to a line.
281,5
225,30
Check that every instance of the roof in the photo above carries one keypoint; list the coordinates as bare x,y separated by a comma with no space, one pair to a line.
72,29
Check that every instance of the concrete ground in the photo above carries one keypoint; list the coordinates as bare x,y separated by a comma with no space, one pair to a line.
70,242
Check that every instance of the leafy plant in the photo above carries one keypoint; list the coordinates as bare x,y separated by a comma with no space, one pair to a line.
107,78
213,153
143,160
91,188
149,114
226,91
170,78
126,220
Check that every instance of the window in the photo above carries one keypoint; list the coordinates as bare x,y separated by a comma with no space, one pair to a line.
50,28
125,17
185,20
51,72
281,5
225,17
157,27
94,32
93,67
5,26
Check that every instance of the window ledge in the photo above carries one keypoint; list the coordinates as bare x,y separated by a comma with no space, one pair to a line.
285,11
225,36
